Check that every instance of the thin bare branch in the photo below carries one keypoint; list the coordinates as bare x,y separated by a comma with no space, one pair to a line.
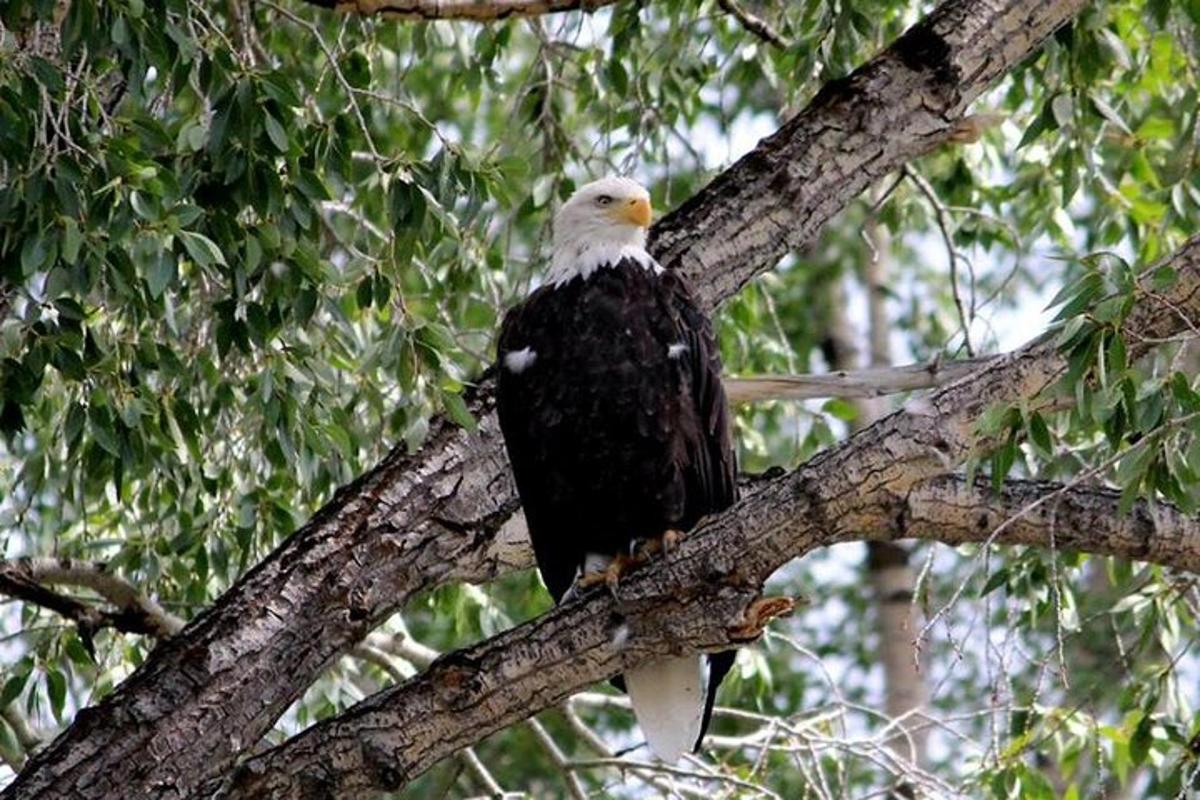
861,383
27,579
754,24
942,216
473,10
133,607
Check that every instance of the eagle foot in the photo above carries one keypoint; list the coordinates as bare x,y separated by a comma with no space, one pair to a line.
758,614
611,575
658,545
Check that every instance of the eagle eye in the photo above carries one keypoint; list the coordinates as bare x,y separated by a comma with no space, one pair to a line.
604,199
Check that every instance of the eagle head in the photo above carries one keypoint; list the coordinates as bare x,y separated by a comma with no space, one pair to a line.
603,222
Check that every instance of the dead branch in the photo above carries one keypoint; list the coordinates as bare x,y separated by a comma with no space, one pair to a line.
851,383
471,10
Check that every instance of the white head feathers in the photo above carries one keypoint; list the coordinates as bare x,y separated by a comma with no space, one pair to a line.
602,223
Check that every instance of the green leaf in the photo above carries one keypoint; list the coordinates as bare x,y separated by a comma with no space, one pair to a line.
357,70
456,410
1109,113
995,581
13,687
275,131
71,240
1002,461
78,653
34,253
1039,435
364,293
73,427
161,274
840,409
203,250
56,688
1156,128
1141,740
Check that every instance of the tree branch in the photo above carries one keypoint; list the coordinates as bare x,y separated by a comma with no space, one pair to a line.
754,24
1083,519
851,383
705,595
26,579
472,10
96,576
418,521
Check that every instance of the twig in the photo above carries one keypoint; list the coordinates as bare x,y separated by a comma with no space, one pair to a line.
943,223
481,772
559,758
676,771
369,654
473,10
754,24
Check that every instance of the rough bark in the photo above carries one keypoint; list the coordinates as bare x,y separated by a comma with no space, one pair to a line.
703,596
416,521
473,10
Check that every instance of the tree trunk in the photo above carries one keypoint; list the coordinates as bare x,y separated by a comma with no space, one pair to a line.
897,617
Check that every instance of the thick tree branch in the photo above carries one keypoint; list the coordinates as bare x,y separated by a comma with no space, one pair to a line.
422,520
473,10
704,596
1083,519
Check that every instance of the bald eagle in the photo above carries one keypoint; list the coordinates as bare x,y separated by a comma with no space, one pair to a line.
616,424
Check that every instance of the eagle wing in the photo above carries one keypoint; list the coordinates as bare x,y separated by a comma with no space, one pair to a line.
712,468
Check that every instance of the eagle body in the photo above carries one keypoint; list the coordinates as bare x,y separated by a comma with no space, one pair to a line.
613,413
617,427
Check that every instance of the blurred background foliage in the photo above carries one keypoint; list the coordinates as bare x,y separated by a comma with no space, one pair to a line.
247,247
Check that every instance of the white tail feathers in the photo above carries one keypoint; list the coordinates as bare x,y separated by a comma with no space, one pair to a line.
668,699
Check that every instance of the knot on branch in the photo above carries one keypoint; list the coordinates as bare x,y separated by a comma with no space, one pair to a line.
457,683
382,765
923,48
755,617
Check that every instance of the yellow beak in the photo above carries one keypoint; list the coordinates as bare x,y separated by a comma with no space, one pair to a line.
635,212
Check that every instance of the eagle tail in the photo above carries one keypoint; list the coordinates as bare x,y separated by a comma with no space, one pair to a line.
668,698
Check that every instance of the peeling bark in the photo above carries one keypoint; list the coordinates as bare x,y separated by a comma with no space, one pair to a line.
417,521
885,483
